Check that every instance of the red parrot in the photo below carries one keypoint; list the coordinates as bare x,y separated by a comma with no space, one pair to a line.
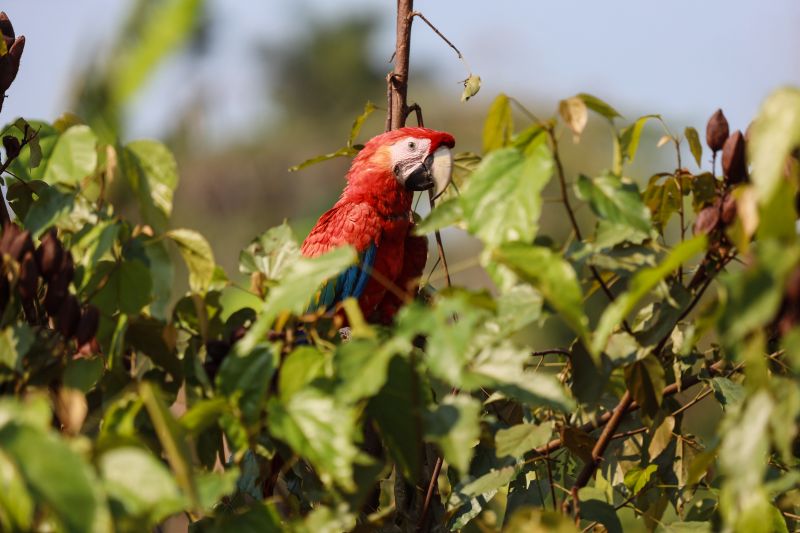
373,215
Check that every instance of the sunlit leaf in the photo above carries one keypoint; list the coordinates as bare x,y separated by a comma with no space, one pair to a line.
197,254
549,273
641,285
629,137
502,200
152,172
453,425
775,133
320,429
471,87
694,144
499,124
598,106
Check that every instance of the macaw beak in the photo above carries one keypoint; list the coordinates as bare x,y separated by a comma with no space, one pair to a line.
434,173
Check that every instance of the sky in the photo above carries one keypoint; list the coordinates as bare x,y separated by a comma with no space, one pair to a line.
682,58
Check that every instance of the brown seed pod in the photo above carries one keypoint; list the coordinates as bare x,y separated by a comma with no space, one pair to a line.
21,245
11,145
706,220
49,254
717,131
67,268
793,286
57,289
87,327
28,277
9,63
734,165
728,209
10,232
237,334
69,316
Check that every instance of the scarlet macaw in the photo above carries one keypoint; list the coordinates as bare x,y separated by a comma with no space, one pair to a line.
373,215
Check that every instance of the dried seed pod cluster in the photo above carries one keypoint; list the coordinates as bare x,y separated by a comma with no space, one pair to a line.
44,274
715,217
9,61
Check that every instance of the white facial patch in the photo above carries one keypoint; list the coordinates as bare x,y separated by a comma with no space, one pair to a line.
409,152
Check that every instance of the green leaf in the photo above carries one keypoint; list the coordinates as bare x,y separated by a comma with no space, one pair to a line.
549,273
17,505
534,520
594,507
453,425
163,274
296,290
400,428
663,201
125,285
499,124
685,527
197,254
743,459
54,474
73,158
272,253
319,429
775,133
300,368
616,202
444,214
203,414
341,152
15,341
83,374
43,137
517,440
694,145
469,499
598,106
355,129
645,380
173,441
502,200
245,376
754,294
629,137
640,286
140,484
637,478
165,26
471,87
51,206
728,393
503,367
152,173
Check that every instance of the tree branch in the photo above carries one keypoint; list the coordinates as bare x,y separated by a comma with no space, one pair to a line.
398,79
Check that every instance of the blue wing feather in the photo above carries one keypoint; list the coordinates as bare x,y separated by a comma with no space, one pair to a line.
349,284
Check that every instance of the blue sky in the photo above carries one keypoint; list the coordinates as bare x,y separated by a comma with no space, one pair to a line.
682,58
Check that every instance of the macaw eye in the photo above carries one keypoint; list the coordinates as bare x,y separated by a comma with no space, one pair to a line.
412,145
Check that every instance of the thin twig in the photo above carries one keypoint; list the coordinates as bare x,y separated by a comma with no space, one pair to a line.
560,351
445,39
562,179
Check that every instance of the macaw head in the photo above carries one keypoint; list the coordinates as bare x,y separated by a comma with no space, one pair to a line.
411,159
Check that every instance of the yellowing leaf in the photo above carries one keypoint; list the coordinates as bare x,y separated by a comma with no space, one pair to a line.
574,112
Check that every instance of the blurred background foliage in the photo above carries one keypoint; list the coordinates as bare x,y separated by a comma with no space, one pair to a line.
316,82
